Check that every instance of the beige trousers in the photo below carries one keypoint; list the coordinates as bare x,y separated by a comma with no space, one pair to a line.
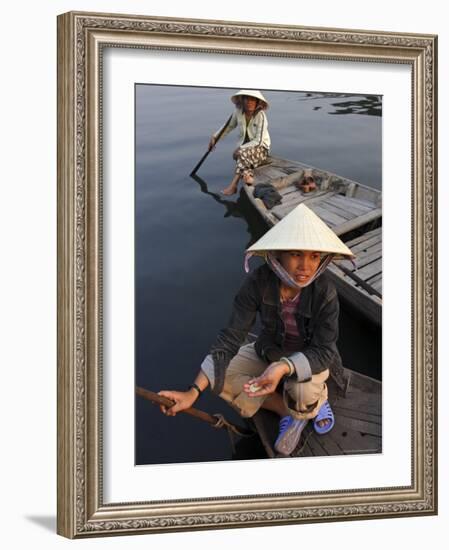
303,399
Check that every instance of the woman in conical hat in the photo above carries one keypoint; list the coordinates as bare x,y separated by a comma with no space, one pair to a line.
254,139
286,368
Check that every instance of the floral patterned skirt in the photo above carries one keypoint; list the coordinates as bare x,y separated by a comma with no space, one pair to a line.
248,158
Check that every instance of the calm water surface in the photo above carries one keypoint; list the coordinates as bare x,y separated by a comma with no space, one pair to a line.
190,242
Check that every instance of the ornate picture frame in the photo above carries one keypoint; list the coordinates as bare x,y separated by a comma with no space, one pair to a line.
82,40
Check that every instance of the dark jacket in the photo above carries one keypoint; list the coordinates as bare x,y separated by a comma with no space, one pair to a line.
316,317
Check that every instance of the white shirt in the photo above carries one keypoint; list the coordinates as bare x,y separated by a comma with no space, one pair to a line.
257,129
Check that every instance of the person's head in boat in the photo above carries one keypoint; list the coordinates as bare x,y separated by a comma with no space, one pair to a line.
249,101
299,248
301,265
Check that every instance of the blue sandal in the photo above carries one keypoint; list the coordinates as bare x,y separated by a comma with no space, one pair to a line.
325,413
290,431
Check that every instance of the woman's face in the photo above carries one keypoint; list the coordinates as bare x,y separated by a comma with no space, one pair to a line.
301,265
249,103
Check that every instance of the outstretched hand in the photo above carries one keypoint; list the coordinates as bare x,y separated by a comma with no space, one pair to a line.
182,400
212,143
268,381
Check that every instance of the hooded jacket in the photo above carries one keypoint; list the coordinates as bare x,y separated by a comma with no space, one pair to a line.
316,317
257,129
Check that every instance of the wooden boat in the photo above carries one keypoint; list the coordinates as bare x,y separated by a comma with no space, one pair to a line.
358,423
352,210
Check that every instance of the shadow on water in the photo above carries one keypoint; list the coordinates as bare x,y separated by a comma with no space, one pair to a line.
239,208
366,105
359,343
247,448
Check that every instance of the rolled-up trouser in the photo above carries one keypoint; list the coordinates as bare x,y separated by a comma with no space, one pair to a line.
248,158
303,399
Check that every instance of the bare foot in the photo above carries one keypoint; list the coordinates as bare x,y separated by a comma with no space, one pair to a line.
230,190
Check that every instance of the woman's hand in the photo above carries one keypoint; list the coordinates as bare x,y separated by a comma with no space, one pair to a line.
267,382
183,400
212,143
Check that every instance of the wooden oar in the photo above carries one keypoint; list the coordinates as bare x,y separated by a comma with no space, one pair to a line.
203,158
217,421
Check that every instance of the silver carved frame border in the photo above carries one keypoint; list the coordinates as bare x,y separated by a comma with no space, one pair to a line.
81,38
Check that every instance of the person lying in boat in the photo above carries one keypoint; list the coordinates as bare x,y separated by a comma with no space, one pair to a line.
286,368
254,139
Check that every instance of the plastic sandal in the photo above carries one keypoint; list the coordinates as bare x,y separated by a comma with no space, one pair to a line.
325,413
290,431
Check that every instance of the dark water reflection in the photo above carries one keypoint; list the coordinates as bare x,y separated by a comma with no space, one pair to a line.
190,242
366,105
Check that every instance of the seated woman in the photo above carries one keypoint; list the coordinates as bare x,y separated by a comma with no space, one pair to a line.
254,139
286,369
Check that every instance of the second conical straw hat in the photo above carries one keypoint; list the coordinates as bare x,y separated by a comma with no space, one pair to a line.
251,93
301,229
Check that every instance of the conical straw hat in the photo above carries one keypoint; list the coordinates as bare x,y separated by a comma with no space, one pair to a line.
301,229
251,93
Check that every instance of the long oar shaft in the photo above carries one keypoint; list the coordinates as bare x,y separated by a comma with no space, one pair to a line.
160,400
203,158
